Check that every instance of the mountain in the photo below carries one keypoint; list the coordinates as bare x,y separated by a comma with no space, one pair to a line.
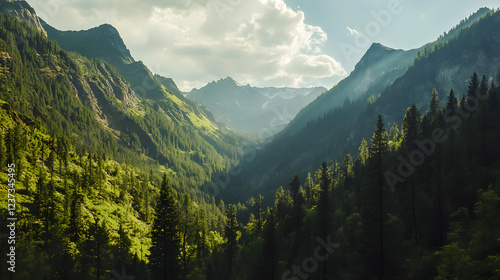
376,70
22,11
169,84
105,180
150,122
105,42
87,154
252,110
442,65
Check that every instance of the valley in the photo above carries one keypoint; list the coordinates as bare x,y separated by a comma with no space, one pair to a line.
391,173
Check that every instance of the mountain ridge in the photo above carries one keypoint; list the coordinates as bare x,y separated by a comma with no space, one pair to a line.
253,110
22,11
166,127
440,65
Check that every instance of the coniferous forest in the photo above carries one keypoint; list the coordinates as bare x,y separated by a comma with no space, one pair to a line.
108,184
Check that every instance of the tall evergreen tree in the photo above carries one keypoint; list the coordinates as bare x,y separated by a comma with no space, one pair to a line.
483,87
377,152
230,233
410,128
258,213
493,97
473,88
270,259
99,246
294,186
451,104
309,186
434,104
75,217
123,246
324,184
363,151
165,236
186,227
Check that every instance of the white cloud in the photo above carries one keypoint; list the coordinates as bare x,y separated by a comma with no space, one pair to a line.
352,31
260,42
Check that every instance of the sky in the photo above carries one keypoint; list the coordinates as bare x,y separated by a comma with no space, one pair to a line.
294,43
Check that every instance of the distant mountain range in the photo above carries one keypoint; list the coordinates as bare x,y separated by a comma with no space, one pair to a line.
252,110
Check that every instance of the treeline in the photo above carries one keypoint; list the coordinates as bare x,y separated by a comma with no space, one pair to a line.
82,215
420,202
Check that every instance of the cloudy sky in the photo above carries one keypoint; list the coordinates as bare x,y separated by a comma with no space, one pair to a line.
261,42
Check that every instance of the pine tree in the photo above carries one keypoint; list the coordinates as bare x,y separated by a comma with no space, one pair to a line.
230,233
75,217
363,151
410,128
99,239
483,88
123,245
309,185
372,209
434,105
452,103
324,183
201,232
165,236
493,97
394,133
270,258
473,88
298,213
186,227
258,213
294,186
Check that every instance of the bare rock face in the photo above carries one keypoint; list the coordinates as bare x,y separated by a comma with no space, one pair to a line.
21,10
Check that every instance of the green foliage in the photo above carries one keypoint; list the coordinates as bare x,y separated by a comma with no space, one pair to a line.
165,235
91,201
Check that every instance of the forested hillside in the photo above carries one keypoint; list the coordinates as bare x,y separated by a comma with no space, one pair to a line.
442,65
89,100
108,183
420,202
82,149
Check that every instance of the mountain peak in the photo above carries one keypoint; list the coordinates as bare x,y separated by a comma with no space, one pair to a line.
375,53
22,11
378,47
106,27
228,81
103,41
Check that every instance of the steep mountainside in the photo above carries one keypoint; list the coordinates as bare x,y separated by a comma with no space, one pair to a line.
105,42
22,11
86,153
443,65
90,100
376,70
252,110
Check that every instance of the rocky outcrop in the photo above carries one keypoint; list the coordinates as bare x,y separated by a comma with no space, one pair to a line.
22,11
